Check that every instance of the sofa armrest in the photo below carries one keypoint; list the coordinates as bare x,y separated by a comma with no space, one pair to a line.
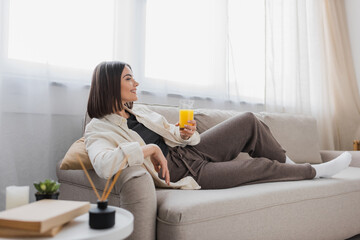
327,155
133,191
137,195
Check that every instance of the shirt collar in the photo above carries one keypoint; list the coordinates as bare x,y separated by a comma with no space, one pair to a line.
116,119
131,111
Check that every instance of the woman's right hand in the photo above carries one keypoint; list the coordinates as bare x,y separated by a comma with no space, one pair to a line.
158,160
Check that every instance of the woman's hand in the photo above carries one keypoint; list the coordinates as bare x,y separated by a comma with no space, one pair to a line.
189,129
158,160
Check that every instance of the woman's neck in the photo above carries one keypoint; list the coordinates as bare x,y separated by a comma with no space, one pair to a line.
124,114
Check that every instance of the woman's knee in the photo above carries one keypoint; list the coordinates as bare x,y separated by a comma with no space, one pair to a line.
248,117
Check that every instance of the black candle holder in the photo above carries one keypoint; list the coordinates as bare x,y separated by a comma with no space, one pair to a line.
102,216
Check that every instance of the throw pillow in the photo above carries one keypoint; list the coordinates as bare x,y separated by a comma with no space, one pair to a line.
297,134
76,150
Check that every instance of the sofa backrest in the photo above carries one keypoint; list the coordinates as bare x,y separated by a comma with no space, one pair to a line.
297,134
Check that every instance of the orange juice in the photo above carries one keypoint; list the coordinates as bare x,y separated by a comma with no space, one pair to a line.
184,116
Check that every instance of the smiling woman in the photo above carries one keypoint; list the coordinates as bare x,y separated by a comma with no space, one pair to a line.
128,86
106,92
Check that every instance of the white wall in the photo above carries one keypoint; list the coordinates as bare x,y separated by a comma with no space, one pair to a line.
38,123
353,18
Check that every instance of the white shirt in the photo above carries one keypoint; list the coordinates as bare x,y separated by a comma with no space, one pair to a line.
108,140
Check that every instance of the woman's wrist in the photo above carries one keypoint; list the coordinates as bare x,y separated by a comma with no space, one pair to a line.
155,148
183,137
149,149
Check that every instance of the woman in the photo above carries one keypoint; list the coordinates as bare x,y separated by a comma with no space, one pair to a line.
177,158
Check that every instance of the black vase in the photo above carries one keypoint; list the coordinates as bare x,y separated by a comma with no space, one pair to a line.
102,216
40,196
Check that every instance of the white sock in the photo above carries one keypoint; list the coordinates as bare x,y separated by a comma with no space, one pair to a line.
289,161
328,169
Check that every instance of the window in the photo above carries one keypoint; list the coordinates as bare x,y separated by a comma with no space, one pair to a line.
75,34
185,45
247,50
205,48
215,47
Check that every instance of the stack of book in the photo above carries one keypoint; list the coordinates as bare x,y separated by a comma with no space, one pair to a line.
43,218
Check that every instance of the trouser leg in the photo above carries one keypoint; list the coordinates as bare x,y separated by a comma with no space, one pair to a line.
218,175
242,133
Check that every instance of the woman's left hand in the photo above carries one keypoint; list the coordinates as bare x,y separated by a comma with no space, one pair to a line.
189,129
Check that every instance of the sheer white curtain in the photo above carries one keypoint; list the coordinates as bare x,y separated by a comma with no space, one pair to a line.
185,49
56,40
205,48
45,61
202,48
309,67
341,74
246,47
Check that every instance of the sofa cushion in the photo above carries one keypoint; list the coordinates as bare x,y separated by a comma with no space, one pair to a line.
283,207
297,134
171,113
76,150
208,118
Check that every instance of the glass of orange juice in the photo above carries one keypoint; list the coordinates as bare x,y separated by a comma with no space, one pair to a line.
186,112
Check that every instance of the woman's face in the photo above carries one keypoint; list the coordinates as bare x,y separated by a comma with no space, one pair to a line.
128,86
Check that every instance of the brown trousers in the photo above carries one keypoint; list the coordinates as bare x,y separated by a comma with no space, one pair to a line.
213,164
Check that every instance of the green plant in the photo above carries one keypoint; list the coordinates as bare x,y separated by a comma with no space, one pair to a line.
47,187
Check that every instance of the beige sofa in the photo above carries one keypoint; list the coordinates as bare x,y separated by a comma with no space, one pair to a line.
312,209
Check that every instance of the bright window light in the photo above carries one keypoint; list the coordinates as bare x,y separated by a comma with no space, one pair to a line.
192,41
66,33
247,50
179,41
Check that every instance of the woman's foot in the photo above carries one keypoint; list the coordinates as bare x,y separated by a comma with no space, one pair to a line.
328,169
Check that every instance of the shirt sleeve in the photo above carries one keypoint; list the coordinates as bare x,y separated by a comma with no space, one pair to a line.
105,148
193,140
176,139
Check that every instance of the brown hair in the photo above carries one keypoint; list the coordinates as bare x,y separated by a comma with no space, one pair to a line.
105,90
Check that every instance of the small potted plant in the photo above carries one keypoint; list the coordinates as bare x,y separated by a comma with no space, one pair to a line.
47,189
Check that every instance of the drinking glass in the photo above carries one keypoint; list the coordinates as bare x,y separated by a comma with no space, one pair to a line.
186,112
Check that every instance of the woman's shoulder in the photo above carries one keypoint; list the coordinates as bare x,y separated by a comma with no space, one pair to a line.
99,123
95,121
93,124
140,108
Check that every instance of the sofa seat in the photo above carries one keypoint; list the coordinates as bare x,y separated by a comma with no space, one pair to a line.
288,210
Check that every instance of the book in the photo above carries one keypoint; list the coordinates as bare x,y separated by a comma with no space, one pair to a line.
18,233
43,215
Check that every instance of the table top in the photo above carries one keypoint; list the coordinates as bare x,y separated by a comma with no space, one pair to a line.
79,228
